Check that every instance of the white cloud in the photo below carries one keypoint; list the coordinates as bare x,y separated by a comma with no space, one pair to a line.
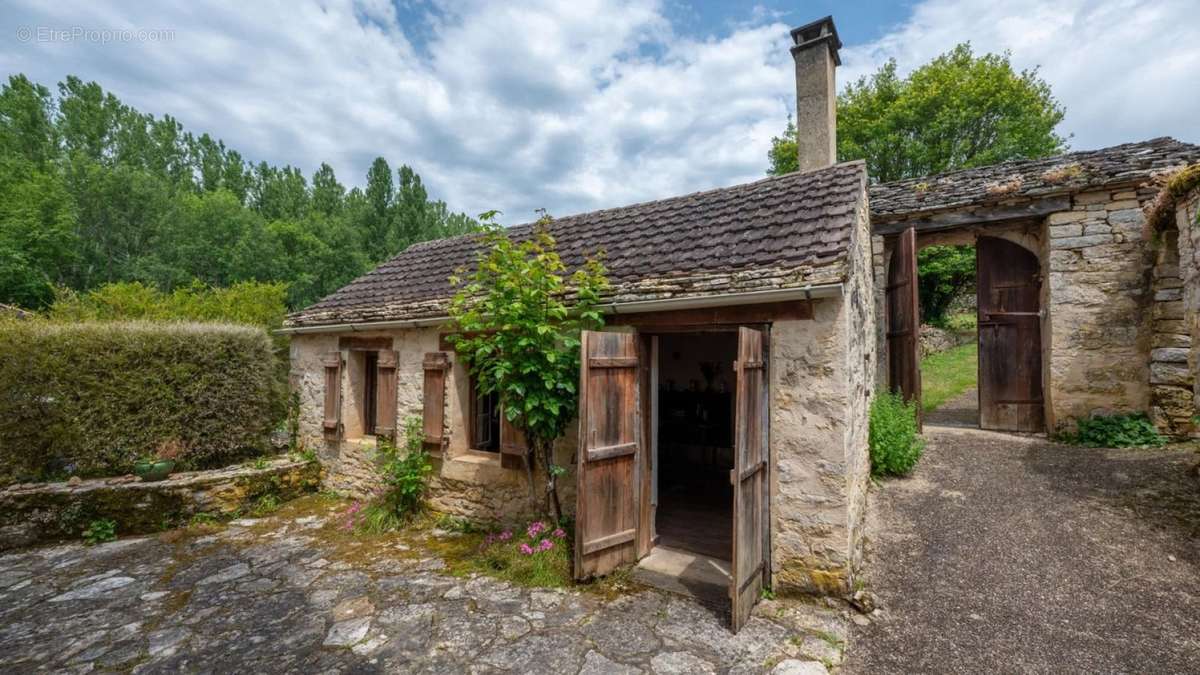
572,105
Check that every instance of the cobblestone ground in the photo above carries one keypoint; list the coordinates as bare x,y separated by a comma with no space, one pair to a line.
284,594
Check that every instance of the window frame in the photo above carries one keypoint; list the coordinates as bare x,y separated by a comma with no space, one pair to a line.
473,417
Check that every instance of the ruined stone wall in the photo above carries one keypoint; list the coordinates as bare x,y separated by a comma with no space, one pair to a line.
1171,379
1100,301
1187,220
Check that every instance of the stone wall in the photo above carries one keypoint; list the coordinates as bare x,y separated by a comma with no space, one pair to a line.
1171,380
1187,221
466,482
35,512
822,381
1099,306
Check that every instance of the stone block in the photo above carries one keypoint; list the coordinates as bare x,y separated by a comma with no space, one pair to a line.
1134,215
1096,228
1123,205
1080,242
1171,340
1065,230
1065,217
1170,355
1169,310
1128,194
1092,197
1170,326
1168,295
1170,373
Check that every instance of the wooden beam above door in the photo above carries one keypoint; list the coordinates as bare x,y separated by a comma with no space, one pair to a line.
975,215
718,316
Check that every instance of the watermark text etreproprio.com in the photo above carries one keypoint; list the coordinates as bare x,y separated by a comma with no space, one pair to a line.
97,35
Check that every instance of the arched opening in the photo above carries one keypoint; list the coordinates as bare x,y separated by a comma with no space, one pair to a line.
979,302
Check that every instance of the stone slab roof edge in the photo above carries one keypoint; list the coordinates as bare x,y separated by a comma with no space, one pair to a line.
776,232
1026,180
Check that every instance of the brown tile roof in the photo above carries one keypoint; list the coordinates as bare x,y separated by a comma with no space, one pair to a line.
1026,179
773,233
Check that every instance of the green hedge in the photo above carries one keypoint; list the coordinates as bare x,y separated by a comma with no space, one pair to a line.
89,399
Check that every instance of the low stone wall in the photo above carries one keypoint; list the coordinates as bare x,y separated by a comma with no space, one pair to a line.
934,339
33,512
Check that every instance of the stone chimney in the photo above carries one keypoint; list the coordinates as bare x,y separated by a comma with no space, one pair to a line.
815,49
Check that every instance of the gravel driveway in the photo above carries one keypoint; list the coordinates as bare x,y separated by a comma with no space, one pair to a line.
1013,554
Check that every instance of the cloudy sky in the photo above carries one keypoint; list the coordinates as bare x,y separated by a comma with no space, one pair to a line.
578,104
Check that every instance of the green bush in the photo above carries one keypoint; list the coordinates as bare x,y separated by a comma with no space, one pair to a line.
406,479
89,399
100,531
965,322
894,441
1115,431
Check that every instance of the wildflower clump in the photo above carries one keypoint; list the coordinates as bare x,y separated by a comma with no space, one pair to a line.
542,557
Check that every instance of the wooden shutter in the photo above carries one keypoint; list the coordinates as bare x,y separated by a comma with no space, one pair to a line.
606,517
436,365
385,393
904,320
332,424
1010,336
513,447
749,477
512,439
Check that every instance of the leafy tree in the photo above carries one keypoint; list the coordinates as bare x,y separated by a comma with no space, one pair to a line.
957,111
94,192
519,315
944,273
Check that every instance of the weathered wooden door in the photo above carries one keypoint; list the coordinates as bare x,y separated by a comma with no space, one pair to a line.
1009,284
606,515
749,477
904,320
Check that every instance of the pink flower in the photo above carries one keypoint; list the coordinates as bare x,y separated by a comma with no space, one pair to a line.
560,533
536,528
526,549
505,535
546,545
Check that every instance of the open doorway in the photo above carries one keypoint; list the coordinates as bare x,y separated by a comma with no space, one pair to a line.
988,372
693,414
949,334
695,442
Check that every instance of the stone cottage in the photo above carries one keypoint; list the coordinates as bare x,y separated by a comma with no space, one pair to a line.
725,403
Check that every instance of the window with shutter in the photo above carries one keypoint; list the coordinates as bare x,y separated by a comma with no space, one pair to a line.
385,396
332,424
436,364
485,420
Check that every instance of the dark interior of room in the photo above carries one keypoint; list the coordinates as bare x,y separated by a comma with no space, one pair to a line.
695,442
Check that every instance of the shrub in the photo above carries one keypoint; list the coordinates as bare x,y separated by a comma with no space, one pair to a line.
99,531
894,442
1116,431
406,479
90,399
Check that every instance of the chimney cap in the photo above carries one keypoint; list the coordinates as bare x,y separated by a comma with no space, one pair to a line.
821,31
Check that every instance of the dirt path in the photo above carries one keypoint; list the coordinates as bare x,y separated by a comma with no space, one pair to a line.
1007,554
960,411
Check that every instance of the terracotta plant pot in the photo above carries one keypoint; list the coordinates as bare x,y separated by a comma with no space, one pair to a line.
154,471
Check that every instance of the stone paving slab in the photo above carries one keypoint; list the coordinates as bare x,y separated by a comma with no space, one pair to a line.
278,595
